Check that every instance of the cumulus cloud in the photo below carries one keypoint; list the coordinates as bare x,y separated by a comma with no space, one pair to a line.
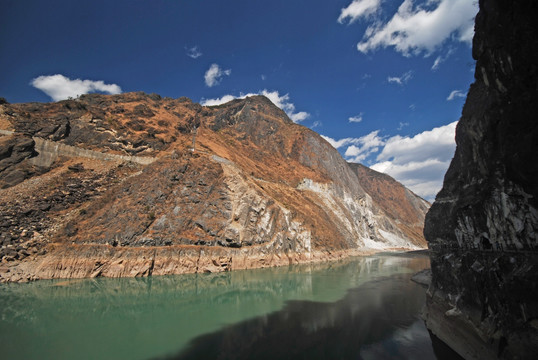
298,117
337,144
282,101
414,28
356,118
358,9
363,147
454,94
419,162
434,143
214,75
423,178
222,100
358,148
193,52
402,79
59,87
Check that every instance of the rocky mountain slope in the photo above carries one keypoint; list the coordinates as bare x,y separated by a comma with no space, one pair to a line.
110,186
398,203
483,226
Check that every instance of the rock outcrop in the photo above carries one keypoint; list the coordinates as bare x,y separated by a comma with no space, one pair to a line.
483,225
139,185
386,192
14,150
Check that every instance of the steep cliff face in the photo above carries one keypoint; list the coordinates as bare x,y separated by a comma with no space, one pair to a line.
483,226
135,185
386,193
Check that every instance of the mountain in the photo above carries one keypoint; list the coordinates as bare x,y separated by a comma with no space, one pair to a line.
136,184
397,202
482,228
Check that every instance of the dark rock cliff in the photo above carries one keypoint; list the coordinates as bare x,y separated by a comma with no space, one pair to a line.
13,150
483,226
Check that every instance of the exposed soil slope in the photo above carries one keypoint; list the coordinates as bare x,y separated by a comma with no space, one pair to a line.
136,184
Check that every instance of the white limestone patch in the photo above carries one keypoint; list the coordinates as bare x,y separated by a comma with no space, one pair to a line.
358,216
396,241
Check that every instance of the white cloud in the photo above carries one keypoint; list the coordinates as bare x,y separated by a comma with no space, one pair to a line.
421,28
59,87
193,52
442,58
395,80
424,178
316,124
359,148
356,118
436,143
298,117
357,9
337,144
419,162
282,102
221,100
364,146
437,62
402,125
400,80
214,75
454,94
263,77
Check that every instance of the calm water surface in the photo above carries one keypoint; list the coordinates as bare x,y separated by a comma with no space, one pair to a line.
365,308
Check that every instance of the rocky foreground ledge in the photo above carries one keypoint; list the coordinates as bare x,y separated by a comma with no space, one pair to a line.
483,226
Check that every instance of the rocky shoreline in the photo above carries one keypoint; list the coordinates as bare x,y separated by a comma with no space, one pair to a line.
488,309
89,261
456,330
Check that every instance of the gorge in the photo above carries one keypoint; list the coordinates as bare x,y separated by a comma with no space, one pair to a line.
137,185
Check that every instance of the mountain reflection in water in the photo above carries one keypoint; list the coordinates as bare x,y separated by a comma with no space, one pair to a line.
288,312
377,320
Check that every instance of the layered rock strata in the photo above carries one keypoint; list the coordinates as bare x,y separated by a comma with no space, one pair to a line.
139,185
483,227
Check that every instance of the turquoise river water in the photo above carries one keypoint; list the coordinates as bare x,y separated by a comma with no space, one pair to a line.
361,308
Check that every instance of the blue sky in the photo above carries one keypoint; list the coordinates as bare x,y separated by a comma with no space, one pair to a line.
383,80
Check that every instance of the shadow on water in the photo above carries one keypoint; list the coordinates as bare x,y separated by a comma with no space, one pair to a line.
377,320
297,311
